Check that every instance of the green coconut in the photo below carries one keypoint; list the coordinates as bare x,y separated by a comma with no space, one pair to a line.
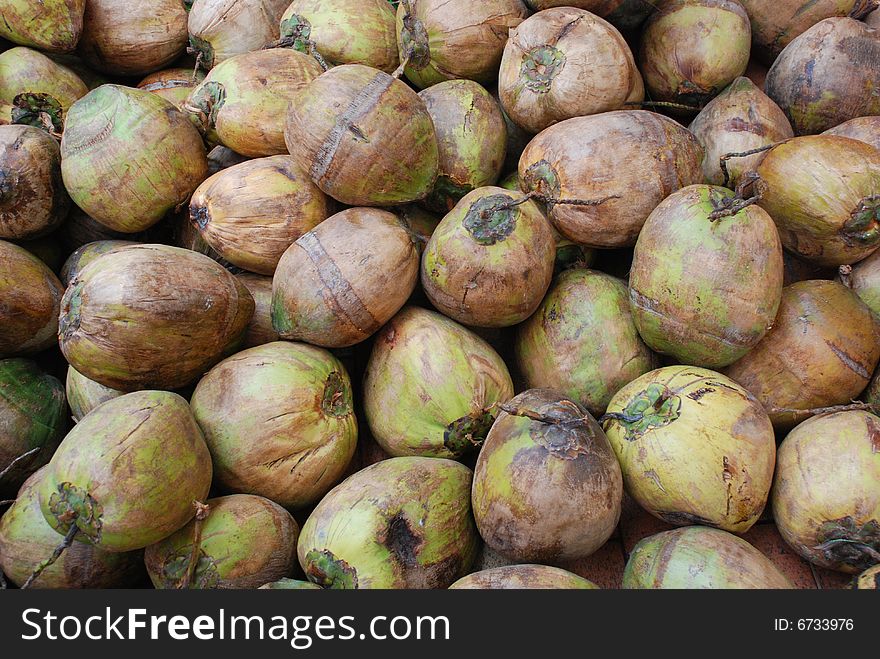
237,541
400,523
700,558
431,386
128,157
706,277
681,415
53,25
84,395
88,253
32,419
26,538
547,486
279,422
490,261
826,493
23,70
127,474
582,340
518,577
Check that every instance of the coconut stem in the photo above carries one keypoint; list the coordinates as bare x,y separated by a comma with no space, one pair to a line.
741,154
862,8
7,502
733,205
665,104
866,548
845,272
311,48
815,411
68,540
195,75
202,510
23,456
542,418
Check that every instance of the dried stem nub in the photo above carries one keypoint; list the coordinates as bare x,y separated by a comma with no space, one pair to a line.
202,510
739,202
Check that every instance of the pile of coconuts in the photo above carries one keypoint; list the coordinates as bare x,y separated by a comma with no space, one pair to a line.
420,294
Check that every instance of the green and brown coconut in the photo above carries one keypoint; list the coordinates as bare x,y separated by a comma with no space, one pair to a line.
582,340
339,283
252,212
864,280
152,465
344,32
290,584
53,25
706,276
26,539
700,558
33,201
88,253
547,486
431,386
259,330
445,39
601,176
174,85
243,101
221,29
236,541
821,351
84,395
23,70
279,422
518,577
152,316
490,260
684,415
864,129
400,523
31,295
128,157
365,137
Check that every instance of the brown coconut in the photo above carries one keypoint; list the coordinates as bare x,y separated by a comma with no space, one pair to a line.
259,330
863,129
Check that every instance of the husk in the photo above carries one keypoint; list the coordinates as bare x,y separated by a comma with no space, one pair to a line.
33,201
279,422
84,395
174,85
864,129
820,79
86,254
826,494
221,157
341,282
686,415
865,282
53,25
827,360
25,70
134,37
594,71
129,157
523,576
632,159
220,29
259,330
252,212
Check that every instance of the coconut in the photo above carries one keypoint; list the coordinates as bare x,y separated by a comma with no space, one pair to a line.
132,38
826,494
53,25
445,39
344,32
822,191
523,576
127,474
290,584
685,415
31,295
366,138
339,283
700,558
820,79
32,420
400,523
412,405
26,538
23,70
821,351
33,201
252,212
128,157
718,38
420,223
240,541
84,395
564,63
775,25
864,129
546,490
706,276
259,330
740,119
601,176
279,422
174,85
864,280
868,580
152,316
471,137
244,99
490,260
221,29
582,340
88,253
